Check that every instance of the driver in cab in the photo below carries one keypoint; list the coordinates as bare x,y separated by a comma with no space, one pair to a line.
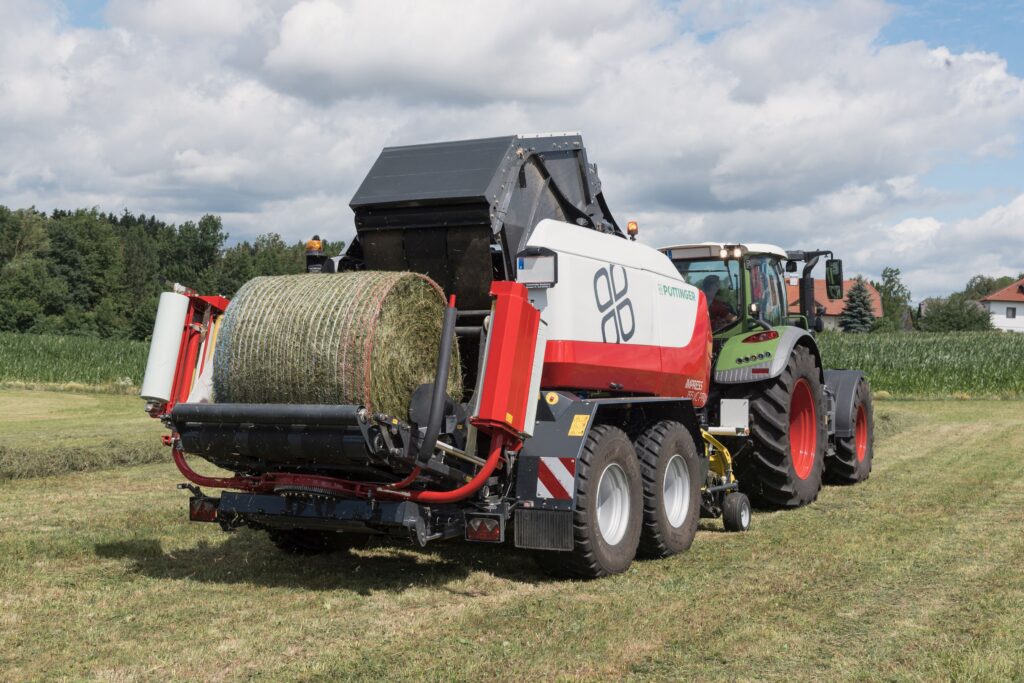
721,313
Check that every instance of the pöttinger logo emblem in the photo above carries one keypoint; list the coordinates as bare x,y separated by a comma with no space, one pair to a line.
611,284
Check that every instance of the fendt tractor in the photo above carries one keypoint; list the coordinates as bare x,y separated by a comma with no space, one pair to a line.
616,393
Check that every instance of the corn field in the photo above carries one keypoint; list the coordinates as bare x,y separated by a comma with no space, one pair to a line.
915,364
921,364
50,359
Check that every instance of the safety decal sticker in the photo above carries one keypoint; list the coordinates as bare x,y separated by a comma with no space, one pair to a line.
556,478
579,425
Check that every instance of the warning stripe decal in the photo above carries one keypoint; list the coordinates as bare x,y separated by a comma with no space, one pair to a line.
556,478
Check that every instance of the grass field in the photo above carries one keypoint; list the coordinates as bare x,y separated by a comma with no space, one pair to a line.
914,575
45,432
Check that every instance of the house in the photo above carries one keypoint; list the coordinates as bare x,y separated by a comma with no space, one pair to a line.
1006,307
833,308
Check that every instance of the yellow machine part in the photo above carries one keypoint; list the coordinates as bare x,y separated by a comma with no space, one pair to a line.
719,457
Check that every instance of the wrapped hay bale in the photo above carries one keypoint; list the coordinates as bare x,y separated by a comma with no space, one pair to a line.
366,337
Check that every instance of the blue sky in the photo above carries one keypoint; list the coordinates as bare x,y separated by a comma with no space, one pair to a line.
888,132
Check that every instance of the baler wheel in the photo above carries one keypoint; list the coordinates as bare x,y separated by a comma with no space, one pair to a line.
784,467
315,541
609,509
851,462
671,479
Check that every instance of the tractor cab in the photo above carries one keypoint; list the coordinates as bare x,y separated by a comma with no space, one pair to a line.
744,284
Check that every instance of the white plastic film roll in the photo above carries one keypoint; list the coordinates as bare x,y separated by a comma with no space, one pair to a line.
163,350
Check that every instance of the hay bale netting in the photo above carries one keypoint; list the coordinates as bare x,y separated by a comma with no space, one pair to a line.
366,337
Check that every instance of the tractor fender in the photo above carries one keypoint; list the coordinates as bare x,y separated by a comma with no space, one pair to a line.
789,338
843,384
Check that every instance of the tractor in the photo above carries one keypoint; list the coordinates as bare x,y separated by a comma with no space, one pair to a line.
807,424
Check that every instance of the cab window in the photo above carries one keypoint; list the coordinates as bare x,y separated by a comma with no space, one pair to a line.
767,288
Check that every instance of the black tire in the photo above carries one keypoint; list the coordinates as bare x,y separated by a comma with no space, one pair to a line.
592,557
657,447
767,472
851,462
736,512
315,541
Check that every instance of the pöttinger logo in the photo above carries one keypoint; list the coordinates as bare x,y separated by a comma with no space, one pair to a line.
611,284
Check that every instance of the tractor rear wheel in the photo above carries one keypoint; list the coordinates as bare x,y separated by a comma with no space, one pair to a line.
609,509
315,541
784,468
671,481
851,462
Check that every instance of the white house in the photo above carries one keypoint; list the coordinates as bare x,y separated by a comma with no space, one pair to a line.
1006,307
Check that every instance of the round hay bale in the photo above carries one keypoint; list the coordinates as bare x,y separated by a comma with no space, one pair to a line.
366,337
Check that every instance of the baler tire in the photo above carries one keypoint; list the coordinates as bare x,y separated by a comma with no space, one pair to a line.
315,541
767,472
657,447
592,557
852,460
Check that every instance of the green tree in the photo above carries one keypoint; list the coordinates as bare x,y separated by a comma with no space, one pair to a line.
895,300
22,233
857,315
30,295
956,313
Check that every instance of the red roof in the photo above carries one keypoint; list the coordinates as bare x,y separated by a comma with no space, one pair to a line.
1014,292
832,307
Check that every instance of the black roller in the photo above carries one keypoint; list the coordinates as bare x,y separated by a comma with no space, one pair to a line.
266,413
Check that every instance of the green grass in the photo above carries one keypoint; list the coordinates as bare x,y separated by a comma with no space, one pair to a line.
44,432
913,575
932,365
110,364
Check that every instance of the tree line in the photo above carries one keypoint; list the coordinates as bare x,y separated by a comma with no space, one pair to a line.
89,273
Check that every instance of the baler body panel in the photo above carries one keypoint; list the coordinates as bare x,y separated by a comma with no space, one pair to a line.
620,317
505,397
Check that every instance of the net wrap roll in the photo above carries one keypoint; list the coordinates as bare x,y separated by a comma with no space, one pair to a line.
368,338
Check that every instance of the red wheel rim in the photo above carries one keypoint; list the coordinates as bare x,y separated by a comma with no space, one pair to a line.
861,433
803,429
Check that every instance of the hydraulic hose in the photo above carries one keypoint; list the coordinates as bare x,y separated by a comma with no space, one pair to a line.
269,481
465,491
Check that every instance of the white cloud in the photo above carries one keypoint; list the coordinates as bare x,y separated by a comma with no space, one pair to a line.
789,123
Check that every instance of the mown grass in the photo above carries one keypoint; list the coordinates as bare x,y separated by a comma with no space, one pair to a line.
913,575
932,365
43,433
113,365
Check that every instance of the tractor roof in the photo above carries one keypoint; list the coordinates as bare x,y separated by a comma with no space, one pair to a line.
752,247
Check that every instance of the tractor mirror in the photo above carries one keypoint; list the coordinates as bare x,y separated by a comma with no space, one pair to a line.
790,266
834,278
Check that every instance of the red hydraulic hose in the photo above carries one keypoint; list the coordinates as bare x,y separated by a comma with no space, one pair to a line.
269,481
465,491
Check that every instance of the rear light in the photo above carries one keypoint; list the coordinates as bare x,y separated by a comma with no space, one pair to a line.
202,509
761,337
487,529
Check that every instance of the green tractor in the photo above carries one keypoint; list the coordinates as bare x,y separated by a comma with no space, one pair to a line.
803,425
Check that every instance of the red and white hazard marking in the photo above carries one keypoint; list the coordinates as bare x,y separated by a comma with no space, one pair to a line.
556,478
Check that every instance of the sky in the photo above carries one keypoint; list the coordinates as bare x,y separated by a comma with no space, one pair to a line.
887,132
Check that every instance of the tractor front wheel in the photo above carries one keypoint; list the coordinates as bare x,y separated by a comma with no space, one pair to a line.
851,462
784,467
